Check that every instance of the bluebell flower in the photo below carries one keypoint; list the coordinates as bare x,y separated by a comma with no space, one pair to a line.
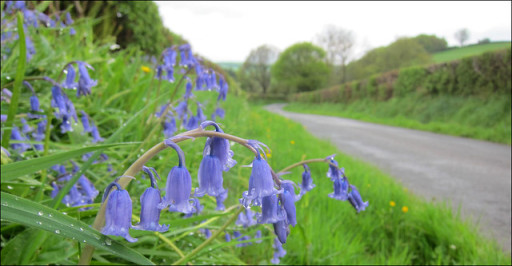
218,147
282,230
70,83
188,89
213,81
192,123
200,116
95,134
25,127
307,181
178,186
85,122
288,199
220,200
34,107
209,177
68,18
237,235
270,211
162,110
39,134
170,74
6,95
84,82
207,233
16,135
340,189
333,173
118,214
181,109
258,235
218,112
31,50
261,183
159,71
72,31
87,188
227,236
169,126
355,199
223,91
184,54
279,251
246,218
150,213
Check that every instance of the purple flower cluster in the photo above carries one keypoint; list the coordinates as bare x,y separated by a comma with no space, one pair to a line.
206,79
81,193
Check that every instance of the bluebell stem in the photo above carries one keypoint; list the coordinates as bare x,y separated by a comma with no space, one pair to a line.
84,82
355,199
288,199
118,214
95,134
179,185
85,122
307,181
270,211
150,213
279,252
340,189
70,83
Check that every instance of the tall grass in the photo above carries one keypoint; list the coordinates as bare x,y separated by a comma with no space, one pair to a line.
472,117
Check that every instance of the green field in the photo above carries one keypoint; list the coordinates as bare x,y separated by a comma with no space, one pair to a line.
397,228
470,50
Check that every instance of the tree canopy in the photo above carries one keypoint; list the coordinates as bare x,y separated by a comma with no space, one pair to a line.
301,67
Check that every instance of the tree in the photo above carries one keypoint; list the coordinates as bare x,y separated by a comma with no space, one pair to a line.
431,43
254,74
301,67
338,43
461,36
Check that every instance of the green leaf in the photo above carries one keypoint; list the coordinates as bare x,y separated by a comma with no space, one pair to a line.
17,169
32,214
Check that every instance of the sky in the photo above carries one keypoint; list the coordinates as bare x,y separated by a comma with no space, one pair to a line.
227,31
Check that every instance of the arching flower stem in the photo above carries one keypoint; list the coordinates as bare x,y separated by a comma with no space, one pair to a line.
320,160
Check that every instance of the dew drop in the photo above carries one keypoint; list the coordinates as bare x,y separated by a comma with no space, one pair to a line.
39,223
97,237
72,225
50,215
65,213
4,204
57,231
9,187
108,241
189,244
81,229
8,78
84,241
40,213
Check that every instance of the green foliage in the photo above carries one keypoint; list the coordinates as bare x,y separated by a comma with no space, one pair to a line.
301,67
431,43
409,80
254,74
404,52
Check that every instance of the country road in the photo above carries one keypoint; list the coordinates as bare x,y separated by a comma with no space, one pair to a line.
471,173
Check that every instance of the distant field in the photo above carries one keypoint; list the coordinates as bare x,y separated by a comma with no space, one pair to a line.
230,65
458,53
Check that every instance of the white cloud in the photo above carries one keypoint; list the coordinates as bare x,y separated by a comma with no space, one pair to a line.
228,31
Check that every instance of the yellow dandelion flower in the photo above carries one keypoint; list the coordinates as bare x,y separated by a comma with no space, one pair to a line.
269,155
292,141
405,209
392,204
145,69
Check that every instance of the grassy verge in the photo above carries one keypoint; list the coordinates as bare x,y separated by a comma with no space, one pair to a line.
458,53
484,119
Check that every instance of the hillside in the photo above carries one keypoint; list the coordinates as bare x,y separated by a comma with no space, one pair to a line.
470,50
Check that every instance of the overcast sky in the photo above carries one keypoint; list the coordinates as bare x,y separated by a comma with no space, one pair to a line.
228,31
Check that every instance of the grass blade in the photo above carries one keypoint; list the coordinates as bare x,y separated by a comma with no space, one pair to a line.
29,213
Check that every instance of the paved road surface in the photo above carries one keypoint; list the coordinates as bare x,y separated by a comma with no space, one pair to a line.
475,174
